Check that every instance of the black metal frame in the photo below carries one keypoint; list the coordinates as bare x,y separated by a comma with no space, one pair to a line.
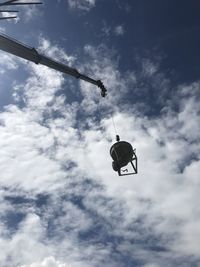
15,3
134,163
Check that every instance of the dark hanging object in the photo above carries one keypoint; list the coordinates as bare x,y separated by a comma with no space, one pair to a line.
122,154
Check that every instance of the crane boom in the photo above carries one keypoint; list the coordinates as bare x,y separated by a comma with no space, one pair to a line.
18,49
10,17
14,3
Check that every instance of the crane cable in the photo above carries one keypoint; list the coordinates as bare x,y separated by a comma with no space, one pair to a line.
112,118
115,129
113,122
116,134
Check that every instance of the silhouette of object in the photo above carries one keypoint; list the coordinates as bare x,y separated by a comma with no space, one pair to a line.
122,154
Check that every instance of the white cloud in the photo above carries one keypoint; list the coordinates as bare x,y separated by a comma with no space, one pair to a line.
46,148
31,13
48,262
7,62
165,147
85,5
56,52
149,68
119,30
107,30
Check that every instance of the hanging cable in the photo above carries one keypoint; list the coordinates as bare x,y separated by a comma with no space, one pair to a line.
117,136
99,115
114,124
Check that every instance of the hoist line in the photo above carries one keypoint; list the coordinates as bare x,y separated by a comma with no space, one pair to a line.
99,113
113,121
114,126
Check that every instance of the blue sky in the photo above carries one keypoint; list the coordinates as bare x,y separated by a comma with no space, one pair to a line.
61,204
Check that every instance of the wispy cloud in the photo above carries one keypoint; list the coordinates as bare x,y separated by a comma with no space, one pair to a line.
31,12
119,30
85,5
125,6
108,30
50,261
7,62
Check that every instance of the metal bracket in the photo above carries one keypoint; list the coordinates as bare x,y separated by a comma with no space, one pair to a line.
134,163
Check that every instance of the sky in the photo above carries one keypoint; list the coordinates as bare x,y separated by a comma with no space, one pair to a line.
61,203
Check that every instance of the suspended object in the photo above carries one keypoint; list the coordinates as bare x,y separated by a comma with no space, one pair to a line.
122,154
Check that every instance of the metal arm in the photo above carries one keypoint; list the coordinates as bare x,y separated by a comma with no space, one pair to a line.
31,54
8,11
11,17
14,3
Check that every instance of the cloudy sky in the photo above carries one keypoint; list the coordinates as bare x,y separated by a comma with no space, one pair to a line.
61,204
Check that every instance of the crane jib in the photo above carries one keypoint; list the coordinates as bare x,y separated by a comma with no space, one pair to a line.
16,48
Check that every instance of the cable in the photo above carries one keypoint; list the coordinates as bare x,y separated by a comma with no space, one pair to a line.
114,124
